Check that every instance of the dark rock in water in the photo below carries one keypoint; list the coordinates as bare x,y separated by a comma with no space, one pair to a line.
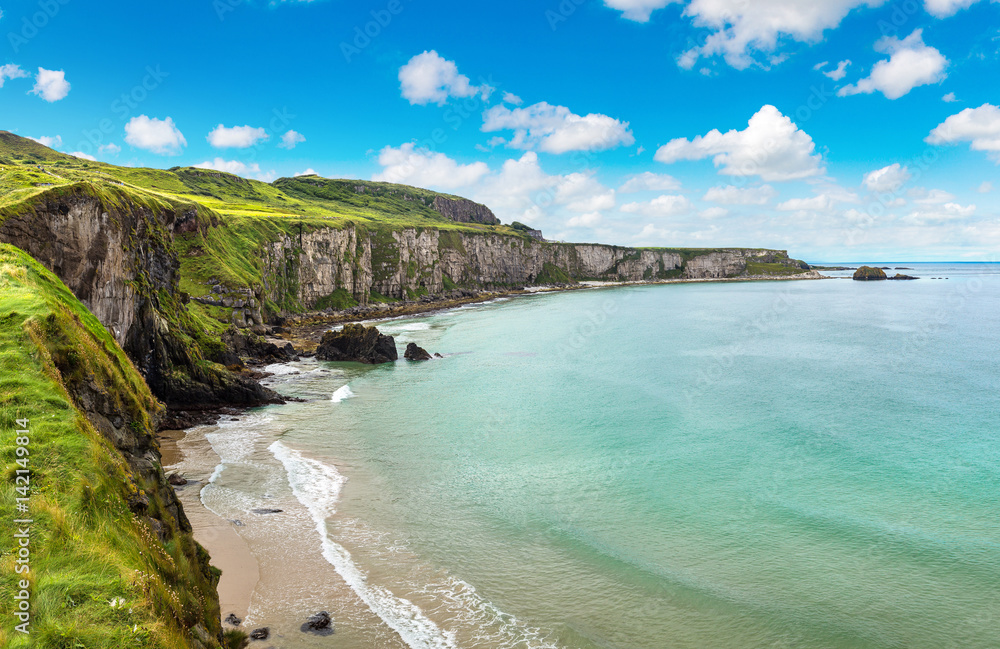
437,355
260,634
232,620
867,273
263,512
902,268
254,347
318,624
237,522
414,353
357,344
176,480
900,276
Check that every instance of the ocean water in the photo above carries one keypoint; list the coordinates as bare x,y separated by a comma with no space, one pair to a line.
731,465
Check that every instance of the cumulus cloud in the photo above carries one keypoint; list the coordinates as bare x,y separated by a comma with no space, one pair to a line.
45,140
638,10
661,206
740,29
430,78
290,139
911,63
556,129
978,126
511,98
985,188
237,137
771,147
230,166
945,8
588,220
11,71
731,195
839,72
308,172
820,203
648,181
933,197
110,147
156,135
420,167
51,85
949,98
887,179
939,214
84,156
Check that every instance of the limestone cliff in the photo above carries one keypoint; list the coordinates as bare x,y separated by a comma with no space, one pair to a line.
117,256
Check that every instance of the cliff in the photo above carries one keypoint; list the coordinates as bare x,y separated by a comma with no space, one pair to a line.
111,561
115,251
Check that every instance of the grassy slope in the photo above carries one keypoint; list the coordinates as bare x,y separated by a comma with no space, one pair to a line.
87,547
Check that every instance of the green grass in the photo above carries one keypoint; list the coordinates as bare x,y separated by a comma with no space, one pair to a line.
100,578
759,268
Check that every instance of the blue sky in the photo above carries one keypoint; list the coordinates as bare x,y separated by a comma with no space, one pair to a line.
637,122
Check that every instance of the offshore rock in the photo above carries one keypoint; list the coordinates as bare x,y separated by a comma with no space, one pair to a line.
868,274
358,344
415,353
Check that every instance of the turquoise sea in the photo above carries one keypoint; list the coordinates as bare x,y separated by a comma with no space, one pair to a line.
809,464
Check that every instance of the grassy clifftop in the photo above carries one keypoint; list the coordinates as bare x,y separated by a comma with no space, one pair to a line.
112,560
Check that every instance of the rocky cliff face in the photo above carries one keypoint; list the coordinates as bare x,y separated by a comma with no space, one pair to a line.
409,261
462,210
118,259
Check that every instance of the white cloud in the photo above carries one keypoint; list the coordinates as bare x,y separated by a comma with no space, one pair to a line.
11,71
429,78
45,140
949,98
732,195
424,168
985,188
588,220
581,192
820,203
771,147
939,214
157,135
637,10
230,166
741,29
836,74
665,205
933,197
51,85
648,181
111,148
911,63
85,156
887,179
511,98
290,139
237,137
945,8
308,172
556,129
979,126
713,213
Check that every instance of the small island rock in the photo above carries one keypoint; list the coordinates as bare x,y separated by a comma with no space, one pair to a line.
359,344
415,353
901,276
867,273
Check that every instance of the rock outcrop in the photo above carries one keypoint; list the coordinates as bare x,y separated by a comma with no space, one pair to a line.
357,344
118,258
900,276
462,210
868,274
415,353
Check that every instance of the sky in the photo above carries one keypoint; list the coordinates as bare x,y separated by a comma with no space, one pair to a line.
840,130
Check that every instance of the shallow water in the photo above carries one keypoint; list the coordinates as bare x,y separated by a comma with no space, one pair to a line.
771,464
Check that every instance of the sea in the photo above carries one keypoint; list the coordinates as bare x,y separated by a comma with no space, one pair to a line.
732,465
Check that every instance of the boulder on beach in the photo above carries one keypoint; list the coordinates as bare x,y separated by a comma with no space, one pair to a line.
415,353
319,624
232,620
357,344
262,633
867,273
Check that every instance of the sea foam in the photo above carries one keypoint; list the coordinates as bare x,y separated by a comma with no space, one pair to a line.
317,486
341,393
